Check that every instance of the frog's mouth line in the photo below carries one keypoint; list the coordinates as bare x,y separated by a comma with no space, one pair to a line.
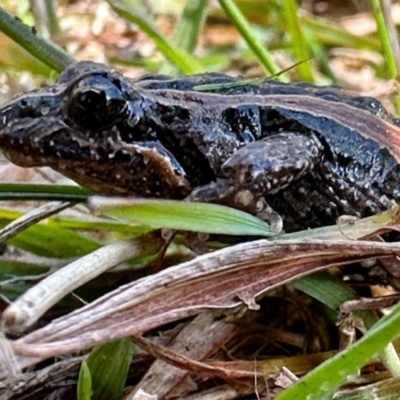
106,166
22,139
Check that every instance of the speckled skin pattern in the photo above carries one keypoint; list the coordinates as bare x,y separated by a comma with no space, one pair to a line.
295,151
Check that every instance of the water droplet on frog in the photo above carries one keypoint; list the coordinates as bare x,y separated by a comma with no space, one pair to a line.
45,110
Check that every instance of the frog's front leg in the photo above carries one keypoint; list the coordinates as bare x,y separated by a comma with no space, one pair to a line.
262,168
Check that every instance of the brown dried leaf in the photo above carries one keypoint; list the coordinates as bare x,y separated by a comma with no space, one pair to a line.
210,281
196,341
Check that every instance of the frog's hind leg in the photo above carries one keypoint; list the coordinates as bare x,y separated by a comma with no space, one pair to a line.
262,168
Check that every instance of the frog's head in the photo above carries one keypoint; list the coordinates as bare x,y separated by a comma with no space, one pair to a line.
78,125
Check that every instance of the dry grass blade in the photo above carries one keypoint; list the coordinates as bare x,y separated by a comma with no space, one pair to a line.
183,362
34,383
199,339
223,279
28,308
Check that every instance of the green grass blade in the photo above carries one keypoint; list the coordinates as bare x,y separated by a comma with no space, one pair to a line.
333,293
12,274
53,24
109,365
187,30
180,215
190,24
384,35
387,45
105,225
319,54
84,386
47,52
263,56
322,382
299,46
326,289
333,35
48,240
51,241
182,60
67,193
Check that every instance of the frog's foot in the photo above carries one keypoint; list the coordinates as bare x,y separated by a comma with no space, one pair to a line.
222,191
269,215
262,168
210,192
246,201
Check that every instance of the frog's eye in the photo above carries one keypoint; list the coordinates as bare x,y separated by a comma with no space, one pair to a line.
96,103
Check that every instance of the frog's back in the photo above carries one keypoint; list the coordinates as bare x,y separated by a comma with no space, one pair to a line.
352,161
359,176
342,140
232,86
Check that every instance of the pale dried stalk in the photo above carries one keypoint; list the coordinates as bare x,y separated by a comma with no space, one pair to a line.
213,280
29,307
30,218
199,339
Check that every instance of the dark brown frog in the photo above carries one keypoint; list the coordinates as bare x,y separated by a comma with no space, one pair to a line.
304,153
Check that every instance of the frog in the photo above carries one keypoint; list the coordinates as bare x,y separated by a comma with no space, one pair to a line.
295,154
